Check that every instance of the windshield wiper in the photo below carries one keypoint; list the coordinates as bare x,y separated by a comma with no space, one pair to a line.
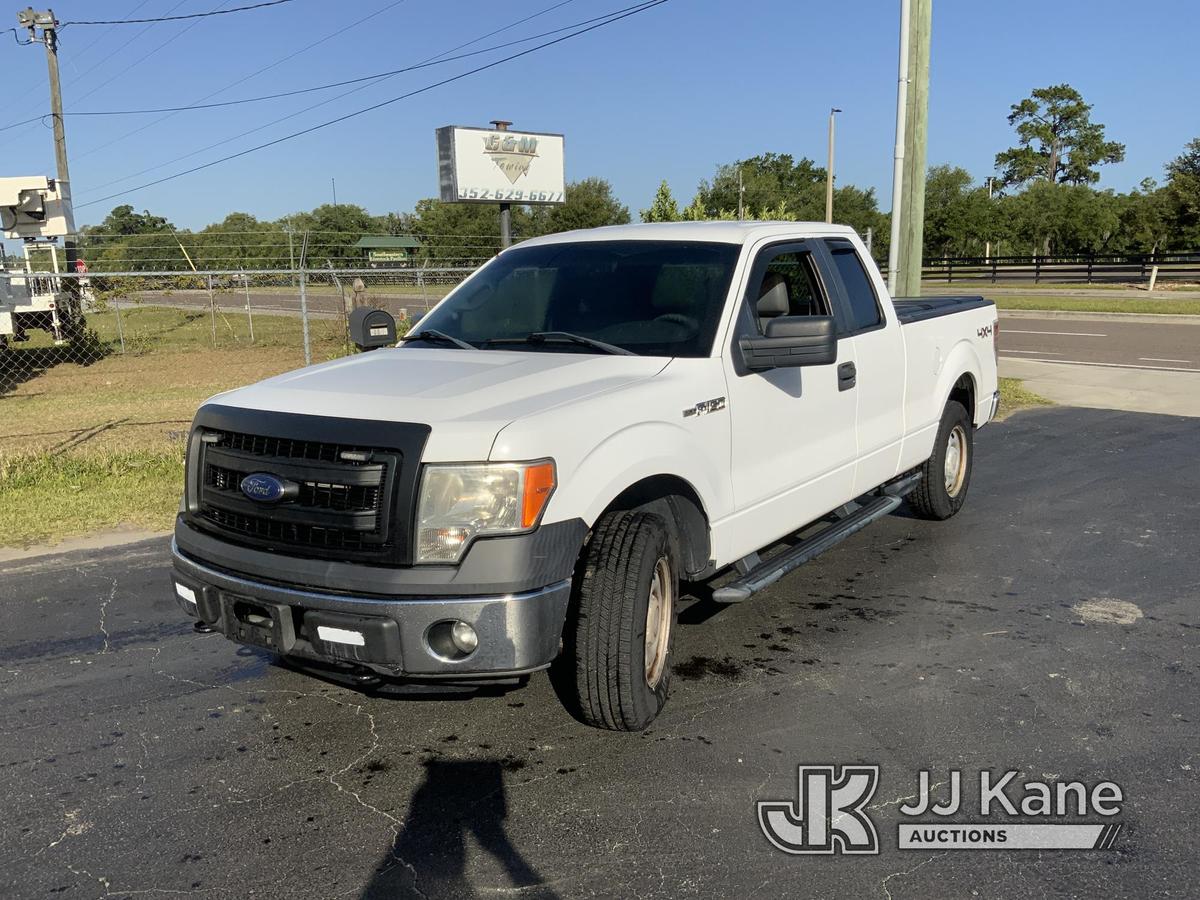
434,336
563,337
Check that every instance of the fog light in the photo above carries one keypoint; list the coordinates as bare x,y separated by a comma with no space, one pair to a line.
451,640
464,637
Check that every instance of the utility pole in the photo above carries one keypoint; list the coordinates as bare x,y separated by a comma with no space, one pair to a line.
505,208
898,154
741,196
333,181
987,247
32,20
908,216
829,171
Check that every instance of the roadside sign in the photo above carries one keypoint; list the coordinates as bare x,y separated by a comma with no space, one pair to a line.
486,165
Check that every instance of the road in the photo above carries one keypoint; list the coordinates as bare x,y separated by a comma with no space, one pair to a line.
322,301
1156,346
1053,627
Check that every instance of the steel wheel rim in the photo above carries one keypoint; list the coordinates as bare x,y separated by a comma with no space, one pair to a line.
955,467
659,606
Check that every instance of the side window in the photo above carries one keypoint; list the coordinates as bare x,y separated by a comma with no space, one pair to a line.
789,287
864,305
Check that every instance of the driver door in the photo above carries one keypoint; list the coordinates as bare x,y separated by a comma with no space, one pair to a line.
794,441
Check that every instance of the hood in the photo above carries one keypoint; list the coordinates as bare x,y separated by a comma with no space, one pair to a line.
466,396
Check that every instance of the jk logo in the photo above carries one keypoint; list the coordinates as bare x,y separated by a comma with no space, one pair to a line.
828,816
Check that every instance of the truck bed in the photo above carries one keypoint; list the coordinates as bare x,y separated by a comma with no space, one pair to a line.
918,309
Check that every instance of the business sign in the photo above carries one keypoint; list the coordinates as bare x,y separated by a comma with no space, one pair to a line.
483,165
387,256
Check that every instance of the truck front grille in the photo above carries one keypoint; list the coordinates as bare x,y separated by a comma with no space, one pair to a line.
342,502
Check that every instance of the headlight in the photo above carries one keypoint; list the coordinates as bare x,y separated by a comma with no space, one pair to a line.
461,502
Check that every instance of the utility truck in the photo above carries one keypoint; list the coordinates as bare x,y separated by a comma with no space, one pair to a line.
34,210
588,422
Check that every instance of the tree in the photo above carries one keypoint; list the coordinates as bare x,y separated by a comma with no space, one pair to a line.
663,208
1183,196
958,214
766,180
239,241
774,181
1058,141
1060,219
1145,221
333,230
130,240
124,221
587,204
462,233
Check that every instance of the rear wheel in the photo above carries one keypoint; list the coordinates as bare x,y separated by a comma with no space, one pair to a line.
946,475
616,670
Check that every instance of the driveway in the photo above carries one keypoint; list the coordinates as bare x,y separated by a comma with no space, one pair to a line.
1052,628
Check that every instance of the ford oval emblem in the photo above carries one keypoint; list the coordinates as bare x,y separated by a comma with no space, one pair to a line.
267,488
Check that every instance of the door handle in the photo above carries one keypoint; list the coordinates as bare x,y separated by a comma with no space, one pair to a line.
847,376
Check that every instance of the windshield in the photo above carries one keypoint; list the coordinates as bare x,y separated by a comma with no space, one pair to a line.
653,298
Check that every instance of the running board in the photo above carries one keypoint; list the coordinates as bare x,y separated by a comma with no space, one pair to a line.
767,573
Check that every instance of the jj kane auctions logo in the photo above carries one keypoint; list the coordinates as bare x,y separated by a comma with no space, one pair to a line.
831,814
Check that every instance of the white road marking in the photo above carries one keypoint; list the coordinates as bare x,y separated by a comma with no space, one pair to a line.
1046,352
1160,359
1112,365
1061,333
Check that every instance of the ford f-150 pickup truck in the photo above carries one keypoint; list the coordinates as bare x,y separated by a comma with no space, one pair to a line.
589,420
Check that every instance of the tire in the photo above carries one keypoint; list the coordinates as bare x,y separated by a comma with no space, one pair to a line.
606,676
943,486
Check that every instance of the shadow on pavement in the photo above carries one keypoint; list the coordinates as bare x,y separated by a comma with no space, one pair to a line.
429,856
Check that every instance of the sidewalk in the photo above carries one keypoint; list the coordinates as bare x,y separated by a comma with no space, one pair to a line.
1094,292
1109,387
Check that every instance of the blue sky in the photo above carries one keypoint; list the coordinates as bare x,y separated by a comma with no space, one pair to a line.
666,94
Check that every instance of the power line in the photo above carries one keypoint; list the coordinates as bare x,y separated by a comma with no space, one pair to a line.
246,78
643,8
145,56
204,15
438,60
373,80
80,76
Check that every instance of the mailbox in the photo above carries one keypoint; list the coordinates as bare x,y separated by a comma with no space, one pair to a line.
372,328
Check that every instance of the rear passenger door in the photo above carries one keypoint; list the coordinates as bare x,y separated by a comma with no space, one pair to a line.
793,439
880,368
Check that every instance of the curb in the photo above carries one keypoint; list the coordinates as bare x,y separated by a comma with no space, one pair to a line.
1149,318
101,540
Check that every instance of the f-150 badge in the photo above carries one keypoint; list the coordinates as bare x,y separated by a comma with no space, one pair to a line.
705,406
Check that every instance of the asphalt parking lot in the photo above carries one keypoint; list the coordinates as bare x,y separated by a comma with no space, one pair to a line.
137,757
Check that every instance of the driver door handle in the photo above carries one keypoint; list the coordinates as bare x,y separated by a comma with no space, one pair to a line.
847,376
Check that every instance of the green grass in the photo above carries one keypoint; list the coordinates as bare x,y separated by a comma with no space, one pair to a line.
1014,397
46,497
1097,304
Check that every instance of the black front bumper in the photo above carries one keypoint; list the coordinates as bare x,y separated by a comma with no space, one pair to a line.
518,632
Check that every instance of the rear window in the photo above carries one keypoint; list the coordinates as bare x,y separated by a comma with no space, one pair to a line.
864,305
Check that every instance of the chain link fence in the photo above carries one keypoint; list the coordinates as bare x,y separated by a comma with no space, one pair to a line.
122,359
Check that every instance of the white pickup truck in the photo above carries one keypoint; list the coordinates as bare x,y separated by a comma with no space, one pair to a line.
589,420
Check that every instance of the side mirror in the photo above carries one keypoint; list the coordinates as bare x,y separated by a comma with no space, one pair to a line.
372,328
792,341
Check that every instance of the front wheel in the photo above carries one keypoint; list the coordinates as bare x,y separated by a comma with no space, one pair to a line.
946,475
616,668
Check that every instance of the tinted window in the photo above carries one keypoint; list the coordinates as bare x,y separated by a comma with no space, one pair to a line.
864,306
656,298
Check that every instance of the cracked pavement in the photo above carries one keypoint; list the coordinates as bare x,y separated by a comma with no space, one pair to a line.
140,758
